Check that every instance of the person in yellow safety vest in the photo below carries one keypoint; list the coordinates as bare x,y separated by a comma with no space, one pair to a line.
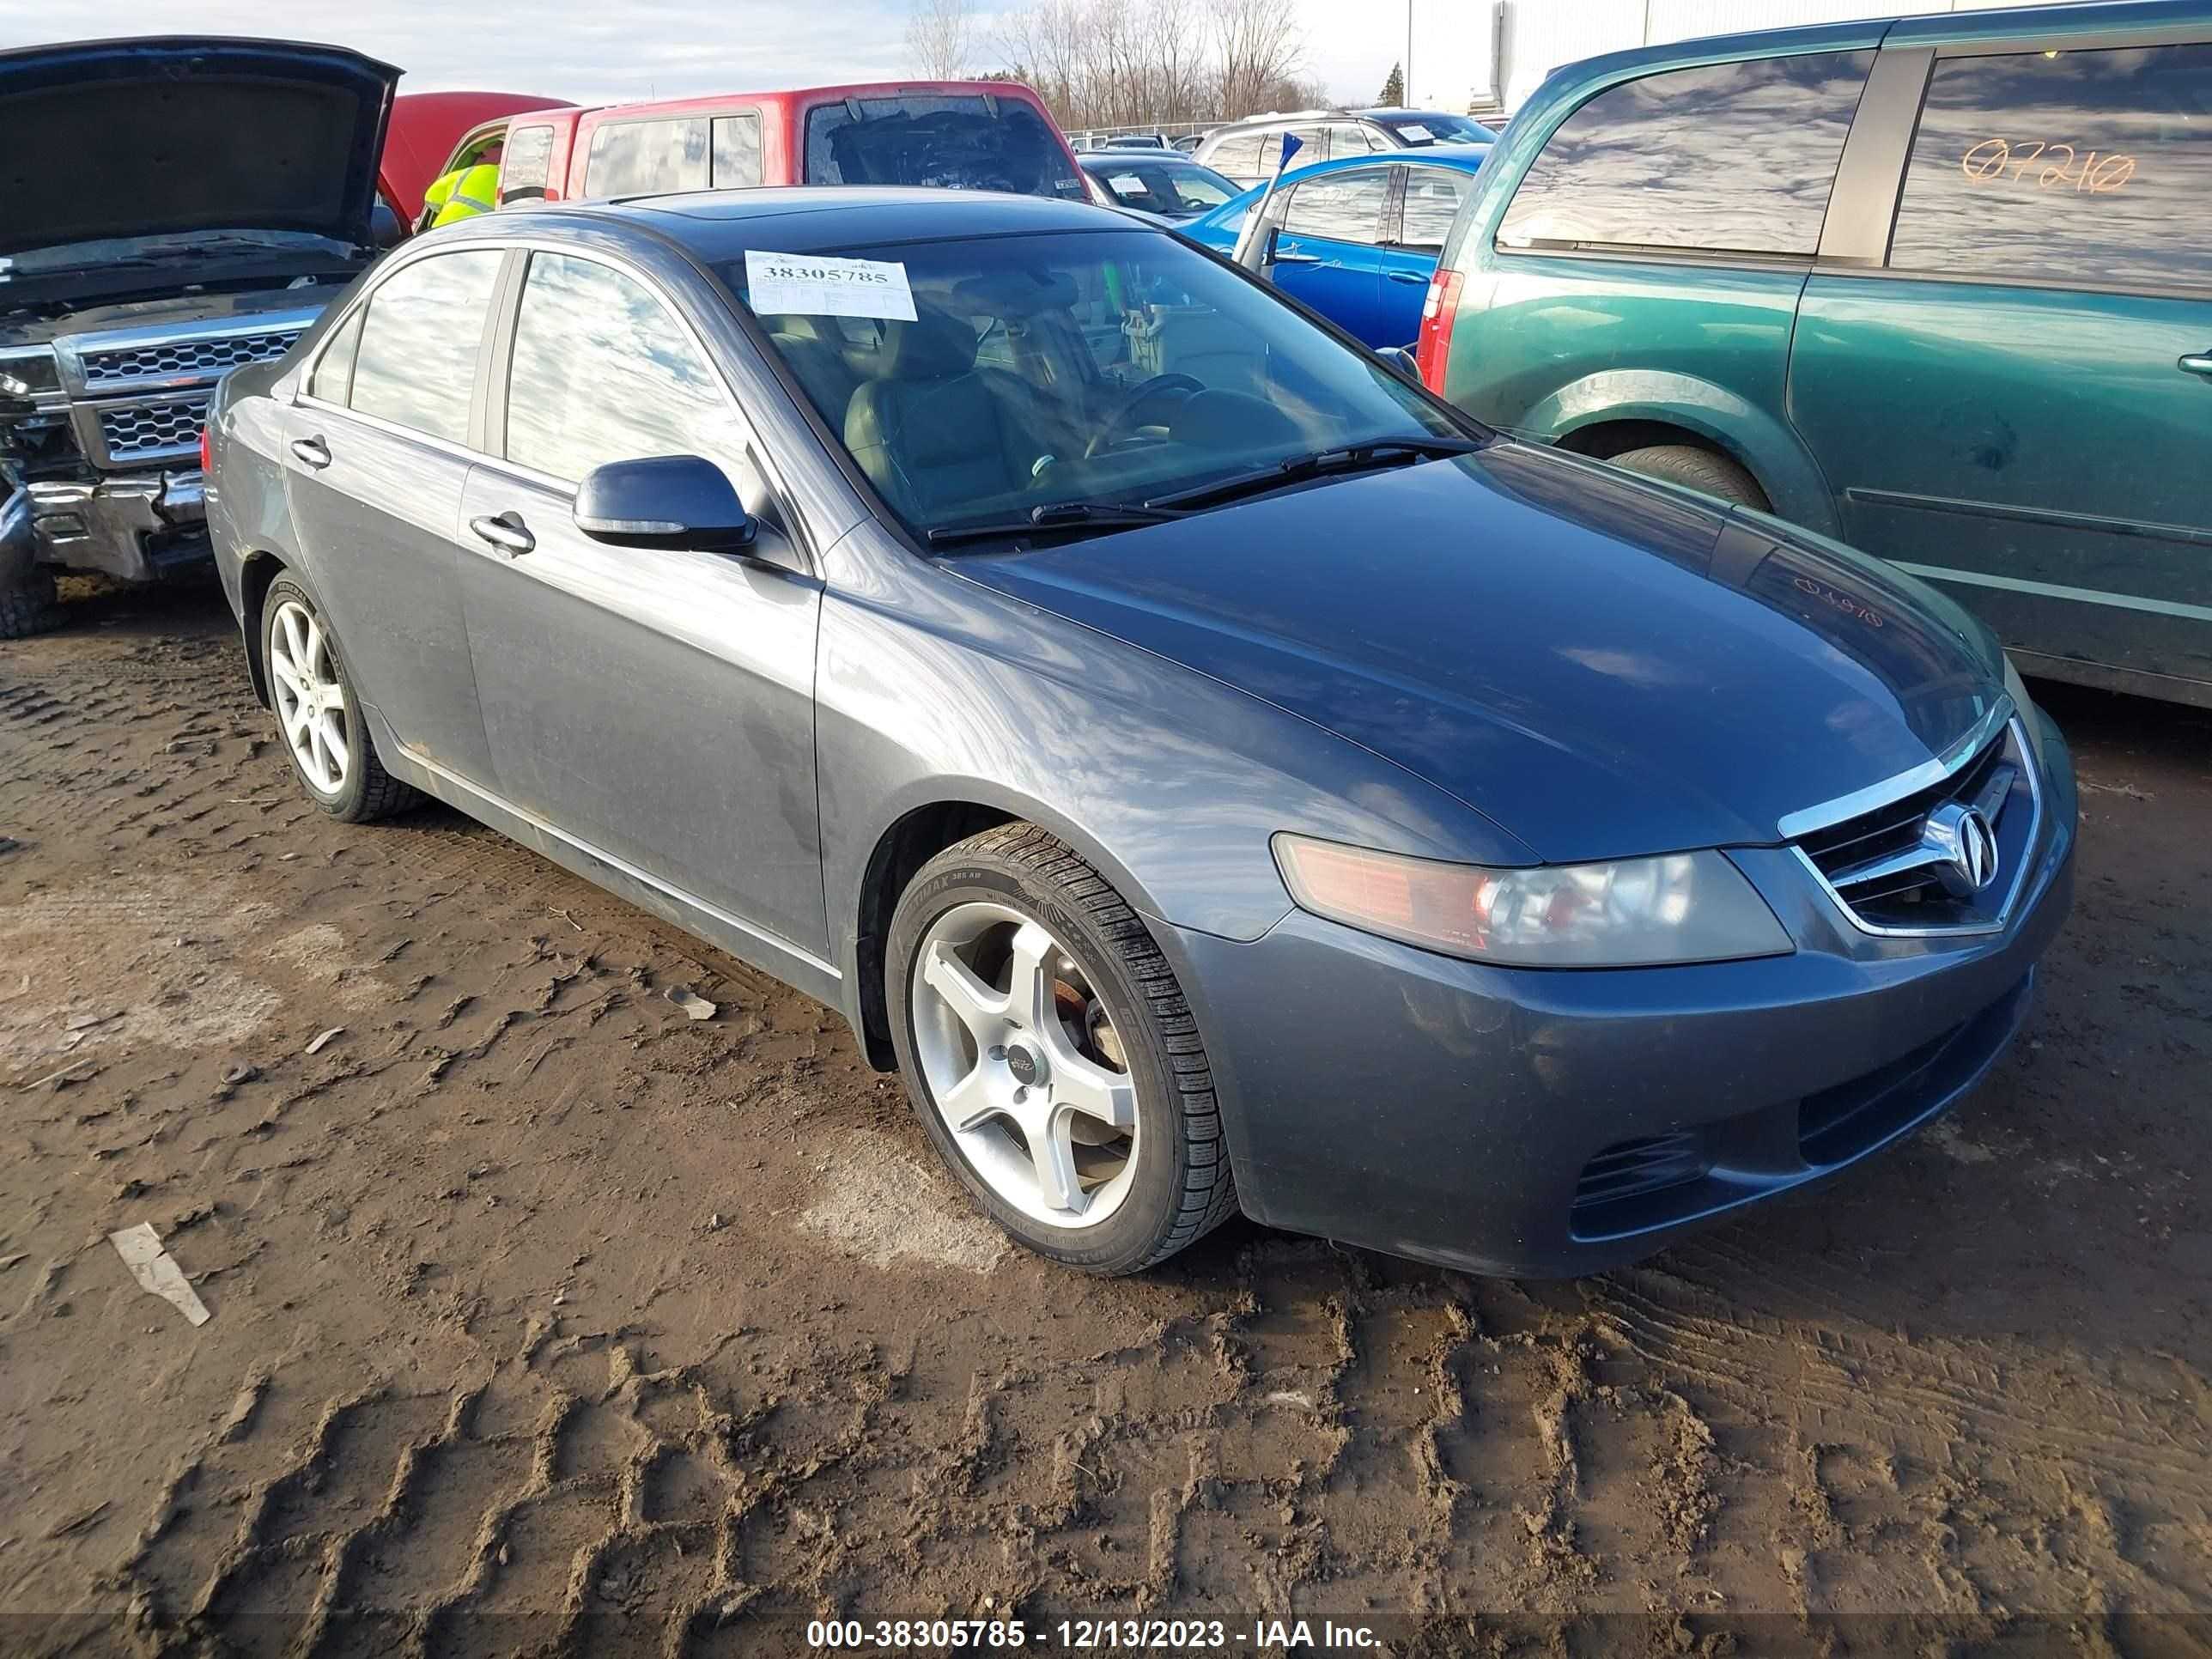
464,192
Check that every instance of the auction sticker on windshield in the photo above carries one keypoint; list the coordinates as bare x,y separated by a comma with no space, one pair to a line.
821,285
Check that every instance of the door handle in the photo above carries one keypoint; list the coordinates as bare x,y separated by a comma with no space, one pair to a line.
1412,279
2197,362
312,451
1297,258
506,532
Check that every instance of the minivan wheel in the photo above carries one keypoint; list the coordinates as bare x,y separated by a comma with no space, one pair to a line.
1048,1051
30,606
1700,468
325,736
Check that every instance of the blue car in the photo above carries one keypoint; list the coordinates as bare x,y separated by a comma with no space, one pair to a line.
1218,775
1359,238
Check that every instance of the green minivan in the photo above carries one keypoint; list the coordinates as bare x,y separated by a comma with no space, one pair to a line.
1940,287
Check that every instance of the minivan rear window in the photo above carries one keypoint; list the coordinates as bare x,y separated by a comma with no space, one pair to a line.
2074,169
958,141
1726,157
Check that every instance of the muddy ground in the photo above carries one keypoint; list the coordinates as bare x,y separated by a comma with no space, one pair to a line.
545,1317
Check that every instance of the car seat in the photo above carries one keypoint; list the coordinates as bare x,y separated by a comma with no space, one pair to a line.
926,427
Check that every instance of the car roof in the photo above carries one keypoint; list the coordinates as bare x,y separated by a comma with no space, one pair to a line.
802,219
824,94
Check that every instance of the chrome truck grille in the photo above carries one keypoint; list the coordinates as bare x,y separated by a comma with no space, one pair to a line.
122,367
153,428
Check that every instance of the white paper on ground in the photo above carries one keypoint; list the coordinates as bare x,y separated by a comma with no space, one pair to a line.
157,1271
821,285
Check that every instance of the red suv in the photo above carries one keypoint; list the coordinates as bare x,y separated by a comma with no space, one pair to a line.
962,135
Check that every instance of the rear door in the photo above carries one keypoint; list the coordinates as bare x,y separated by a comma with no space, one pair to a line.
1426,201
1328,254
657,705
2016,401
380,445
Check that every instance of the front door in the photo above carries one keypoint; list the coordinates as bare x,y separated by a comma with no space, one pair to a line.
2020,407
1327,253
375,459
657,705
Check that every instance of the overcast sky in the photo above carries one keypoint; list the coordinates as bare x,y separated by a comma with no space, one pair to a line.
605,51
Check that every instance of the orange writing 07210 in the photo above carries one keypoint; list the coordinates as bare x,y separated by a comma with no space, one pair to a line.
2046,166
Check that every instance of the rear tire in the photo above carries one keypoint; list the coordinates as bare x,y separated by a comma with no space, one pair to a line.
30,607
1172,1185
307,677
1699,468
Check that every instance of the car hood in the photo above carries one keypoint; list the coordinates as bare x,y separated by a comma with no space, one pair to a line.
1601,666
168,135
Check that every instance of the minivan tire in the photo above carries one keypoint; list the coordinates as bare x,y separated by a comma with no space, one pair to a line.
1182,1188
366,792
1699,468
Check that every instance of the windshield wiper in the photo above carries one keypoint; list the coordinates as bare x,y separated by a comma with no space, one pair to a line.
1352,457
1056,516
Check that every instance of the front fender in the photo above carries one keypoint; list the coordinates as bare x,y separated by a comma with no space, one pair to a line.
1767,447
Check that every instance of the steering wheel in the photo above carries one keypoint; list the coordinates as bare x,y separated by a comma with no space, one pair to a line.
1123,422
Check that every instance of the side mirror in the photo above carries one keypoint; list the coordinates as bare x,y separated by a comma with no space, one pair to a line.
384,230
1403,360
666,500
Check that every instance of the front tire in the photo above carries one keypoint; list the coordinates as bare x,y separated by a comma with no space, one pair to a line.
1048,1051
31,606
325,736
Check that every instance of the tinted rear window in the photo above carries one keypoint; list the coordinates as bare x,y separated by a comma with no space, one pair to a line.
2074,168
957,141
1731,157
648,158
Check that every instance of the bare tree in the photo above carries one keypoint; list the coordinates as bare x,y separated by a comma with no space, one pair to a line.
1110,62
940,35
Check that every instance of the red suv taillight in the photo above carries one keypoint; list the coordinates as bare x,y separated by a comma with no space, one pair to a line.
1438,314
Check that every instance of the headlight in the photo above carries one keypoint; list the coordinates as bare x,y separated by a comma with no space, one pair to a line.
2023,708
1630,913
27,372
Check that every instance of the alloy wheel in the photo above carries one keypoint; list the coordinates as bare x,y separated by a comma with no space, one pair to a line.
1025,1066
311,699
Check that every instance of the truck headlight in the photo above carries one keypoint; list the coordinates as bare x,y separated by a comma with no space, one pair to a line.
28,372
1627,913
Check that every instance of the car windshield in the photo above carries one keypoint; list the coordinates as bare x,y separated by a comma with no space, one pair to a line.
1172,189
1418,130
1049,373
960,141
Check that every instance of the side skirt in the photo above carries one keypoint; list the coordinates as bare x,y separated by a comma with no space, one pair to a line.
800,969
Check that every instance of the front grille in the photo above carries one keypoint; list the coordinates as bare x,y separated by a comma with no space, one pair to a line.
106,371
153,431
1650,1164
1892,871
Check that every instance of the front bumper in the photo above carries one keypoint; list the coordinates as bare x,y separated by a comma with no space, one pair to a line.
1554,1123
136,526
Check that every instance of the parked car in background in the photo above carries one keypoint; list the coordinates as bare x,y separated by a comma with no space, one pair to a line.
1357,240
427,127
1252,151
1940,287
1215,772
960,135
1159,182
170,208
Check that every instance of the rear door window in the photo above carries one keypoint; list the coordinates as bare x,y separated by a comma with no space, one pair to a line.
1342,207
603,372
648,158
737,151
958,141
1238,154
523,169
1731,158
1433,196
416,365
2073,169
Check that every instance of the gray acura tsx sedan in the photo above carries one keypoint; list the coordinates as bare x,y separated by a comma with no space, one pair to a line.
1216,774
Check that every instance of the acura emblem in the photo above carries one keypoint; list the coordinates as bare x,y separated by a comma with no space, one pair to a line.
1964,848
